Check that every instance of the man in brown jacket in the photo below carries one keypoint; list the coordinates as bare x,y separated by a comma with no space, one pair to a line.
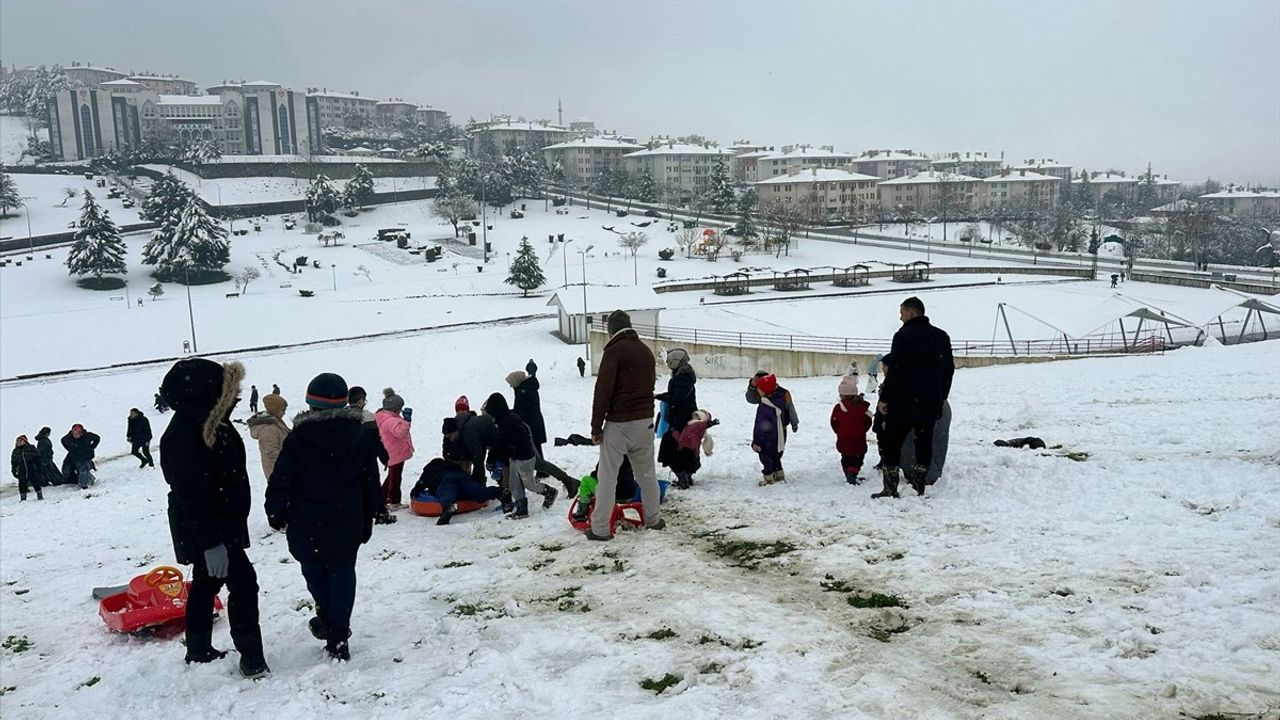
622,424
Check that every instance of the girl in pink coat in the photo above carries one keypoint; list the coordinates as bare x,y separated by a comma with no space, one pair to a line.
394,431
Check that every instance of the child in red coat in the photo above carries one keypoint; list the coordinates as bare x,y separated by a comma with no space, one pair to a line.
851,419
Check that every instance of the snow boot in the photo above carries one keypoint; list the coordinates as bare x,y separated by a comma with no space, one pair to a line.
338,649
890,484
767,479
508,506
519,510
661,524
447,513
851,477
549,497
384,518
683,481
592,536
581,511
571,486
780,476
318,627
917,478
205,656
253,668
39,495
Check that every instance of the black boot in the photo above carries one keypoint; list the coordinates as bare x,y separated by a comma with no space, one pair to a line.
851,477
890,484
507,505
205,656
318,627
338,649
683,481
917,478
520,510
253,668
549,498
447,513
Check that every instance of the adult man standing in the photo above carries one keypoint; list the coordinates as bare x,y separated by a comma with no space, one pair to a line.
138,433
622,424
911,398
253,399
203,461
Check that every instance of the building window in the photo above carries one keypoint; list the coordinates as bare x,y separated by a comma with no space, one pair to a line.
284,130
86,131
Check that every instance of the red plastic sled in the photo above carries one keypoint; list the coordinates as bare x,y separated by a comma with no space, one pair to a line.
155,600
429,506
631,513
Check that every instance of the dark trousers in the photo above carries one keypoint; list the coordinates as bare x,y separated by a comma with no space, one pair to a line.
391,486
451,491
242,605
33,479
852,463
770,461
545,469
896,431
142,451
333,587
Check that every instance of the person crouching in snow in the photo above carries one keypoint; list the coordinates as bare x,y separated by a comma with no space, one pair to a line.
25,465
769,437
324,493
268,428
515,448
394,428
448,482
587,489
850,420
692,442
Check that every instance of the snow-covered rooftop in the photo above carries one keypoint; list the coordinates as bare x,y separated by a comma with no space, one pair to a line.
527,126
757,154
1240,193
796,153
1114,178
680,149
811,175
261,83
1020,176
397,102
889,155
158,77
597,141
1167,181
189,100
930,177
121,83
1040,164
602,299
341,96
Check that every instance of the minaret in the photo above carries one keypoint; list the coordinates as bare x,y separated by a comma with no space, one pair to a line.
559,113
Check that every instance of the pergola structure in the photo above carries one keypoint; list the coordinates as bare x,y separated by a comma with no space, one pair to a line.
912,272
789,280
853,276
735,283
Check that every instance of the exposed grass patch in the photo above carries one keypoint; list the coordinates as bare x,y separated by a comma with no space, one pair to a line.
553,547
90,682
539,564
830,584
303,605
750,553
1076,455
467,609
659,685
455,564
981,677
21,592
662,634
17,643
876,600
746,644
884,634
711,668
593,567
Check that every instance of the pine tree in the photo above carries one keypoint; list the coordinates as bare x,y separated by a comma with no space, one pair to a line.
526,274
720,193
188,241
98,248
9,197
1146,197
747,227
322,199
359,189
167,198
646,187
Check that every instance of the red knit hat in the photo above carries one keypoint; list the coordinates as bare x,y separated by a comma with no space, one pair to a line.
461,404
77,426
767,384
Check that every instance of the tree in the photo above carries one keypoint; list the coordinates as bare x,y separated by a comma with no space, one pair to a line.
646,187
246,276
1146,196
9,197
98,249
686,239
454,206
167,198
322,199
746,229
188,241
785,220
1082,197
720,196
526,274
633,241
359,189
155,291
199,152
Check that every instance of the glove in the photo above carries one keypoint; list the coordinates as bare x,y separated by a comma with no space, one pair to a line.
368,531
216,562
531,368
277,522
795,426
407,414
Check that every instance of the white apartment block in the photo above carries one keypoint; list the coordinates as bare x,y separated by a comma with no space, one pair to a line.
1245,203
90,76
166,84
508,136
889,164
929,191
585,158
681,170
803,157
1021,187
1045,166
431,117
334,107
832,192
976,164
389,112
1101,183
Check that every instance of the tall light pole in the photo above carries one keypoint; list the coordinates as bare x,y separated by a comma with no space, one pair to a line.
484,216
191,316
334,267
586,316
564,261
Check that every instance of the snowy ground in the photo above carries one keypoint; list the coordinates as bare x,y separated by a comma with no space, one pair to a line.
44,196
247,190
1139,582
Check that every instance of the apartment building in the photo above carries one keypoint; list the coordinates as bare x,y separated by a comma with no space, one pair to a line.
333,108
1242,202
431,117
976,164
800,156
680,169
166,84
91,76
829,192
889,164
931,191
1021,188
583,159
508,136
1045,166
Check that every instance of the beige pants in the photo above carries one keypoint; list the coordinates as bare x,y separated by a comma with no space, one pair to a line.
633,440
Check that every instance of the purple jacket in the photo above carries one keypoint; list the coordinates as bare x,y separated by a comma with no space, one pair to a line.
772,418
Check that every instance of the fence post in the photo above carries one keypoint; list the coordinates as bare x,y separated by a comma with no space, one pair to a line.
739,339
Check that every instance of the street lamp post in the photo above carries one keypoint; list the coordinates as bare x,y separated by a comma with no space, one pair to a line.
484,216
564,261
586,316
191,316
334,267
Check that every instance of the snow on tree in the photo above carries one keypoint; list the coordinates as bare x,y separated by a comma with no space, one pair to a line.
167,198
98,249
454,206
322,199
746,228
155,291
557,174
200,152
633,241
1146,196
646,188
188,240
246,276
359,189
9,197
720,195
525,273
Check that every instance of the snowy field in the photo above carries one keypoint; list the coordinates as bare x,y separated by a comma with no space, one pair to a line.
248,190
1139,582
51,211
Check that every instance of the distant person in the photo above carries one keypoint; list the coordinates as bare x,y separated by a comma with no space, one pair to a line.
358,398
582,367
915,389
1115,278
80,445
395,430
253,398
24,464
275,388
161,406
138,434
269,429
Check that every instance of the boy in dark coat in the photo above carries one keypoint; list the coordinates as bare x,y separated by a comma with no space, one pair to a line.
24,463
138,433
449,483
203,461
323,493
515,448
80,445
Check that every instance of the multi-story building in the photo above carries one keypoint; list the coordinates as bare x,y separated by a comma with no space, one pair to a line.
508,136
165,84
583,127
585,158
1168,190
933,190
1046,166
889,164
681,170
1101,183
91,76
976,164
1020,188
431,117
1243,202
389,112
259,118
334,108
826,192
800,156
746,165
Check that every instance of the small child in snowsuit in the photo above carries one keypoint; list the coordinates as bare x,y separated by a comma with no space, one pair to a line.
769,437
25,465
692,442
587,489
850,420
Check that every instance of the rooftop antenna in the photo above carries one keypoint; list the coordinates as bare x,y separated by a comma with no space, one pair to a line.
559,113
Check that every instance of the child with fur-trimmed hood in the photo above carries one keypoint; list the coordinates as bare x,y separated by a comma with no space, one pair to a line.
692,442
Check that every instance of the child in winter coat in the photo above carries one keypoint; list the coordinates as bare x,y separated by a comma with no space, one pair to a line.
449,483
587,489
769,437
394,428
268,428
850,420
25,466
692,442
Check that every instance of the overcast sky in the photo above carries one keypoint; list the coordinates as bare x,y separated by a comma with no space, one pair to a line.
1192,87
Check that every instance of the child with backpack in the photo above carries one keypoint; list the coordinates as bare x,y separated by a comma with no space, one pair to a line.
769,436
850,420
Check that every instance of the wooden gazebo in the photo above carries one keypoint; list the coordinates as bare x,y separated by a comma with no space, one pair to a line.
912,272
735,283
797,279
853,276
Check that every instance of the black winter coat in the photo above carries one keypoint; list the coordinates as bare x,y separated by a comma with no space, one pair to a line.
920,371
476,434
45,447
24,463
681,397
322,486
203,461
528,405
515,442
139,430
80,449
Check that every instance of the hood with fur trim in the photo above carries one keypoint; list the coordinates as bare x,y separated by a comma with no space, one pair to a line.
203,391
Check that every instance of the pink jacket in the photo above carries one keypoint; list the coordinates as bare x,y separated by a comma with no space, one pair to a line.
394,431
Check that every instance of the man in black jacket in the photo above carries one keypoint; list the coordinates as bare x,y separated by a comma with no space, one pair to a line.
917,383
80,445
528,405
203,461
324,494
138,433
